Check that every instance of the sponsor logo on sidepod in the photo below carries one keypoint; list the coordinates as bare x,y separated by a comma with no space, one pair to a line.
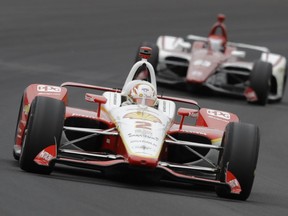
47,88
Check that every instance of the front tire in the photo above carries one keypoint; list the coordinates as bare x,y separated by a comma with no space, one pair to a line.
260,80
240,155
44,128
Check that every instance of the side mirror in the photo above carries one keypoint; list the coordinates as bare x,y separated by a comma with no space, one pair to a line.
186,112
238,53
96,99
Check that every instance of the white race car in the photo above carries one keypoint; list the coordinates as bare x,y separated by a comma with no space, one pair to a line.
136,132
218,64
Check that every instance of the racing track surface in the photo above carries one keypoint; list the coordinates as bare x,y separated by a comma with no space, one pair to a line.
94,42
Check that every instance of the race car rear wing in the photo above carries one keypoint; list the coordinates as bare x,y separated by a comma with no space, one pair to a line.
240,45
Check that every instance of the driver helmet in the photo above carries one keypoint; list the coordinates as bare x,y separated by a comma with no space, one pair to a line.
216,43
143,93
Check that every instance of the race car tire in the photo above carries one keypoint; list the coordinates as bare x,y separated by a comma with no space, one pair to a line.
15,155
285,78
44,128
260,80
153,60
240,155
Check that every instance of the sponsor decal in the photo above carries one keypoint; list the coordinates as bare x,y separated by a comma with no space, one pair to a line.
195,132
142,116
89,98
196,73
219,119
201,62
164,106
46,155
144,144
47,88
143,136
115,99
82,116
140,131
143,125
193,114
219,114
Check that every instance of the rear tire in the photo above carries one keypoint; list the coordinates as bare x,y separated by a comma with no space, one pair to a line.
241,147
284,84
44,128
260,80
15,155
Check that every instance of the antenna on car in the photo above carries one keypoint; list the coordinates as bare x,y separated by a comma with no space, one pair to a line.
142,72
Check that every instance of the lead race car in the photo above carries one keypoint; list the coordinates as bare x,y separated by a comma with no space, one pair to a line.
135,130
218,64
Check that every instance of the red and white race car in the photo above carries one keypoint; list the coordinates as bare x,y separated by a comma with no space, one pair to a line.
133,130
218,64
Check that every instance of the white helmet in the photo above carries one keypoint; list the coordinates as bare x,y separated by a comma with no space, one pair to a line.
143,93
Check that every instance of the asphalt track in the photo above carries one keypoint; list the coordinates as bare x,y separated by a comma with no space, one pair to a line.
94,42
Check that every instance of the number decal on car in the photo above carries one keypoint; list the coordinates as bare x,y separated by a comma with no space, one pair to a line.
201,62
143,125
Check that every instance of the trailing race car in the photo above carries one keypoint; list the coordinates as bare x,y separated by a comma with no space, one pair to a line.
133,130
216,63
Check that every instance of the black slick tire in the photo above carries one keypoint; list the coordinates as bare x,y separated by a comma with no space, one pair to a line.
44,128
260,81
240,155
